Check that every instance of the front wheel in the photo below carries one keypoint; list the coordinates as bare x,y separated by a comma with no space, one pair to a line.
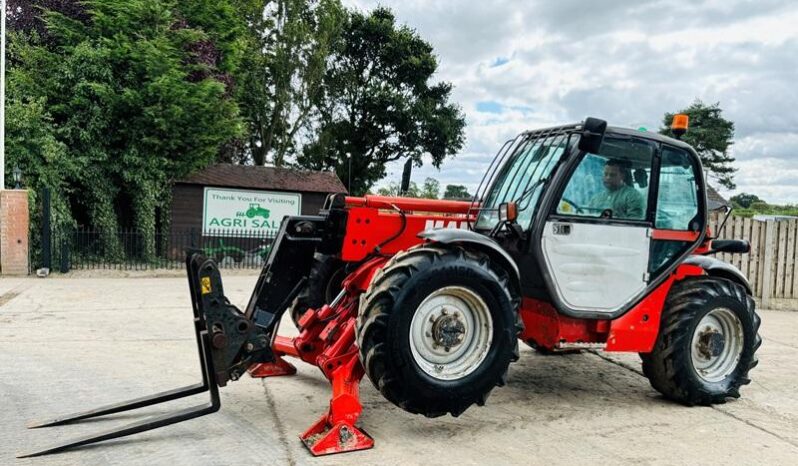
707,342
437,329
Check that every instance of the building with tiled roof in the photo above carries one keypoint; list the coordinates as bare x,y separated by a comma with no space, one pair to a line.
231,200
267,178
715,200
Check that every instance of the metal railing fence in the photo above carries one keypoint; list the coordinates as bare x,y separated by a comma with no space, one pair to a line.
129,249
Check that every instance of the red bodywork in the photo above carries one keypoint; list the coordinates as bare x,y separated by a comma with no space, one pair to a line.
327,336
373,219
635,331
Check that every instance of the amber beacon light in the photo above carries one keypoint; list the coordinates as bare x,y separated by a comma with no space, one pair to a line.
679,125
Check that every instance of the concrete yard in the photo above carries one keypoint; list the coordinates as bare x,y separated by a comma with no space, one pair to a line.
68,344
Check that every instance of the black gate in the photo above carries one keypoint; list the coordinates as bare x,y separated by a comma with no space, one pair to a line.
81,248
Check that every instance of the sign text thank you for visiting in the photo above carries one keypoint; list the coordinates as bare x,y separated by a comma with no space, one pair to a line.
228,212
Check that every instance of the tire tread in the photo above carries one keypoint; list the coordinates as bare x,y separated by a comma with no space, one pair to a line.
666,368
376,306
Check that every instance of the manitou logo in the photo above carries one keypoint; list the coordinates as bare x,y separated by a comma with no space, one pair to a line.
439,224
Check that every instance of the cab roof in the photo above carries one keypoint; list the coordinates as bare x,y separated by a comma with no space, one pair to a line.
648,135
575,127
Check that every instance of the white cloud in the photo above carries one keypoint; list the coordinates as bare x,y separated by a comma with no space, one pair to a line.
627,61
769,178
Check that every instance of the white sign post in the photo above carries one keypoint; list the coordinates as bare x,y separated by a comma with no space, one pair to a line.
234,212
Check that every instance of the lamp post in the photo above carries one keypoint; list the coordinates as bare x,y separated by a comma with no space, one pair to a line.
3,96
349,172
17,174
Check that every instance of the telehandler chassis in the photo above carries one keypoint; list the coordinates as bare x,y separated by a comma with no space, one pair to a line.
437,294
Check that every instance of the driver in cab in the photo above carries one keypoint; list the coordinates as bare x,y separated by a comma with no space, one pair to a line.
622,199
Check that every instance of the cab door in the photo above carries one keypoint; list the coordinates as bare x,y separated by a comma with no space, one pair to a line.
680,206
596,242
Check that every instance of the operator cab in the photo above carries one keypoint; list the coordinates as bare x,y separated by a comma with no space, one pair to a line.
603,214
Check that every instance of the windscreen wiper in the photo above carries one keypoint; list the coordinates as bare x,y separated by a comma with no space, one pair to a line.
529,191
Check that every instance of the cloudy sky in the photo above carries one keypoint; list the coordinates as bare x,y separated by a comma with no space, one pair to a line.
522,64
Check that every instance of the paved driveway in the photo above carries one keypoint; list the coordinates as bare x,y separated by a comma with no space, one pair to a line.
70,344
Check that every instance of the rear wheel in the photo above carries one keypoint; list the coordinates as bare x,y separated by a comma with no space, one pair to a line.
437,329
707,342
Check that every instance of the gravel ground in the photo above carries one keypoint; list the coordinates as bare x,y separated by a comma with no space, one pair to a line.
68,344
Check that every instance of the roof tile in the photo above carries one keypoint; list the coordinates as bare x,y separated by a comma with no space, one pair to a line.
714,199
272,178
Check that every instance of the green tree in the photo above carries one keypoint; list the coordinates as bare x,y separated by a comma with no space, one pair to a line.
282,77
392,189
379,105
456,192
137,95
26,15
745,200
711,135
31,145
431,189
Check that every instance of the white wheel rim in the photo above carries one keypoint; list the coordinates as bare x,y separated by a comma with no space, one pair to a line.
456,318
717,345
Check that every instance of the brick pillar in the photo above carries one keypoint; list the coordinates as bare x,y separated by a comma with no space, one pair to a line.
14,227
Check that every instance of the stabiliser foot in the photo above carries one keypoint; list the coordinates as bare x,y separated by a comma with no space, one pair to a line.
271,369
325,439
333,328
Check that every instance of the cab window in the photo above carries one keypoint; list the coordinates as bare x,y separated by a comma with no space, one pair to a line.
677,199
521,178
612,184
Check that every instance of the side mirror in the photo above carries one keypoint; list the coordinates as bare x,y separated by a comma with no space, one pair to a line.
406,177
593,130
732,246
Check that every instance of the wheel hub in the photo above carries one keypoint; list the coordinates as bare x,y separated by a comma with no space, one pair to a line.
711,344
448,330
717,345
451,333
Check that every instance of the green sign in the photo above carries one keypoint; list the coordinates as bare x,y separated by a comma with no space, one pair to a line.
234,212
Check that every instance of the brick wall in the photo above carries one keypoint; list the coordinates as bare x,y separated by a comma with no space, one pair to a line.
14,232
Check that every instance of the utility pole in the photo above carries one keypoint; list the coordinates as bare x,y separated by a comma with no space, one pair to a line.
349,172
3,98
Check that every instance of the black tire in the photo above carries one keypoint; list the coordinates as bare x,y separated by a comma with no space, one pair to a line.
324,284
386,313
670,368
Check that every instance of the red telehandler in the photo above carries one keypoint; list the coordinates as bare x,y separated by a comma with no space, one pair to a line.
579,237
